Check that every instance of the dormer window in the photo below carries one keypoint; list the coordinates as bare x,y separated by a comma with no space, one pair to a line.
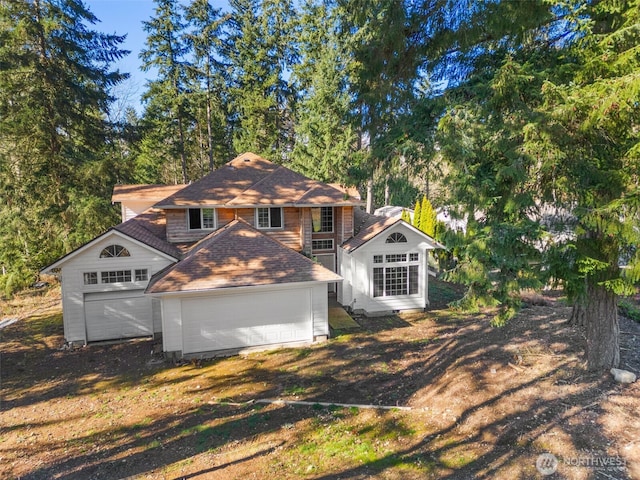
114,251
270,217
202,219
396,237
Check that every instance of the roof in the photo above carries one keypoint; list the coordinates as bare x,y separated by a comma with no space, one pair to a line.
250,180
238,255
367,226
148,228
152,193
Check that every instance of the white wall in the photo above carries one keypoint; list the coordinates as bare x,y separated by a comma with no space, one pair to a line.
88,260
357,267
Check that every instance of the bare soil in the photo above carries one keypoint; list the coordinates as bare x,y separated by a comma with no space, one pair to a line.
485,403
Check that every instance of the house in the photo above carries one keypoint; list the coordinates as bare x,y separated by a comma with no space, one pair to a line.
245,257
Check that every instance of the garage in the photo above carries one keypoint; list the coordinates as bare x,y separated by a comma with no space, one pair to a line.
228,321
117,315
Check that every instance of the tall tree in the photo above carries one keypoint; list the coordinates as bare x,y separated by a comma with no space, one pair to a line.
325,138
208,76
541,135
382,35
260,51
55,79
590,142
166,95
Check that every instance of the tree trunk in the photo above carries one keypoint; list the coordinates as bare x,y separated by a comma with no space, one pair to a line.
603,348
387,191
370,195
578,315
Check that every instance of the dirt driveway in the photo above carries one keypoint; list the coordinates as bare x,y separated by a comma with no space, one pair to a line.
484,403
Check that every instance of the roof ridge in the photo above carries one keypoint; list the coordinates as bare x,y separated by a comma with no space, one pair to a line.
253,185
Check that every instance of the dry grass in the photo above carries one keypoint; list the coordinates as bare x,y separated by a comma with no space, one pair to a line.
485,403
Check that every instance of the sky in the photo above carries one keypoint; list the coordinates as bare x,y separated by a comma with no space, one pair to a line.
126,17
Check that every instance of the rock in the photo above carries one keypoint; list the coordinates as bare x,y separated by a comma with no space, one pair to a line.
623,376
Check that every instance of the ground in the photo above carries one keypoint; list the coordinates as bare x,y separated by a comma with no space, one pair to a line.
483,402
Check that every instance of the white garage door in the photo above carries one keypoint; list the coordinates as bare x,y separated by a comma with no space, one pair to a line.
116,315
247,320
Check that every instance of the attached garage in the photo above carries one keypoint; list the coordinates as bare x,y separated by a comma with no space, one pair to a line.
228,321
117,315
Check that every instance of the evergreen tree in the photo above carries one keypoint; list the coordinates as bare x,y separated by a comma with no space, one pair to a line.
209,78
428,217
324,136
260,52
417,214
166,96
381,36
406,216
540,135
55,179
589,140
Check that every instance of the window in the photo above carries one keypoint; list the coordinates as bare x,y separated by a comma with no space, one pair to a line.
117,276
202,219
322,219
91,278
396,276
114,251
269,217
325,244
141,275
396,237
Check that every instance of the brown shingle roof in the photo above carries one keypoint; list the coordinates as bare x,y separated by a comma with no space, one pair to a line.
153,193
150,228
238,255
367,226
250,180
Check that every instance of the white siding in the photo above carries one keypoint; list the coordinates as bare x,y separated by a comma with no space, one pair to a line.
356,268
88,260
320,305
171,325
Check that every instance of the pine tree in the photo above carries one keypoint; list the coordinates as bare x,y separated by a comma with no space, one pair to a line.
166,95
417,214
541,137
428,217
324,136
208,77
260,51
54,96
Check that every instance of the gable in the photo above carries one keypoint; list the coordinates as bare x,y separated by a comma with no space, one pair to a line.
249,180
374,231
93,248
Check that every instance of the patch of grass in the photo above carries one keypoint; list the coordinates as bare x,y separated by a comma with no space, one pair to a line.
629,309
353,437
456,461
294,390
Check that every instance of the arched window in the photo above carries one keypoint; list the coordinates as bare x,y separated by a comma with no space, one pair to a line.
114,251
396,237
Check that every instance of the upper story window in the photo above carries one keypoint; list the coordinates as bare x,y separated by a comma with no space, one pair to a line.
269,217
322,219
114,251
396,237
202,219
